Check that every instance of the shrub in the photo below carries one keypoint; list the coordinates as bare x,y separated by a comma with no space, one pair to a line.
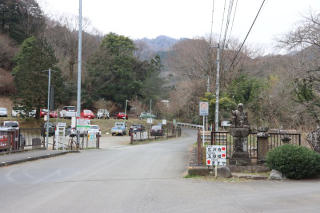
294,162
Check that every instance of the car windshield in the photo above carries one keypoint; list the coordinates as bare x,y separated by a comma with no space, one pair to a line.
3,109
156,127
11,124
94,127
87,111
70,108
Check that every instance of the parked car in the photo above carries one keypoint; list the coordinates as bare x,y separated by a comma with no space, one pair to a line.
52,114
94,129
68,112
156,130
121,115
17,111
86,113
52,128
11,124
119,128
3,112
145,115
136,128
103,113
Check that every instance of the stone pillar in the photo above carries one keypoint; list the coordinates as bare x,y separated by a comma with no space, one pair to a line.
262,142
240,156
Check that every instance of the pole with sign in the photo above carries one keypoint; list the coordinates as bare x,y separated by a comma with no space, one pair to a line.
203,111
216,155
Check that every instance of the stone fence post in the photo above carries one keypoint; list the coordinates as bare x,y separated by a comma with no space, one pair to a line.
262,142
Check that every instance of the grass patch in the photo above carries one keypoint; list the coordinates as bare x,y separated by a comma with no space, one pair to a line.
193,176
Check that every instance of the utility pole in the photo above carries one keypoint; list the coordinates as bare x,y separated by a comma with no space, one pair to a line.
125,110
79,60
48,112
217,90
150,106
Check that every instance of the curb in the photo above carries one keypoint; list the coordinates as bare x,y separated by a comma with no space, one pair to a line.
249,177
2,164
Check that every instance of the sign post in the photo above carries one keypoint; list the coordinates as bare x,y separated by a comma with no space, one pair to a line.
203,111
217,156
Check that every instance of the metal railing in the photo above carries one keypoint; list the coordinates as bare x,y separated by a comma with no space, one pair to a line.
188,125
146,135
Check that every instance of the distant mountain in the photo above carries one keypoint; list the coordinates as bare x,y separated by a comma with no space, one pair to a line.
159,44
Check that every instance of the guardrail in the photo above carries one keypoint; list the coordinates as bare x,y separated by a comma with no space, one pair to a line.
187,125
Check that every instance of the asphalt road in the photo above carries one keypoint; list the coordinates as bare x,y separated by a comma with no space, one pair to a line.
142,178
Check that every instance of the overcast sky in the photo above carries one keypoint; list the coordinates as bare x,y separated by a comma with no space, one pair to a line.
187,18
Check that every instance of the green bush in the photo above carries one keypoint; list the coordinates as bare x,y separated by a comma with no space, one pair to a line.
294,162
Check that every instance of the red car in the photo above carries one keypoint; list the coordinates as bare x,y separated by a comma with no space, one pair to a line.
121,115
86,113
43,112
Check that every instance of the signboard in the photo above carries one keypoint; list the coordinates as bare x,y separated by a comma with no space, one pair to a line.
225,123
164,122
83,125
149,121
216,155
73,122
92,136
204,108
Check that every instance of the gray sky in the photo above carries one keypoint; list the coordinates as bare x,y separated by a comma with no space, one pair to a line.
187,18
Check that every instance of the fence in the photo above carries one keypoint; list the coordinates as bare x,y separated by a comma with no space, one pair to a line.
146,135
14,140
250,143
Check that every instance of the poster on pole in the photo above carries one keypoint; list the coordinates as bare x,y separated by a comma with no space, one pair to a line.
204,108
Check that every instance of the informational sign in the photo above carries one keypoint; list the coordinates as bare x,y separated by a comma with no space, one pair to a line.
73,122
149,121
92,136
216,155
204,108
83,123
164,122
225,123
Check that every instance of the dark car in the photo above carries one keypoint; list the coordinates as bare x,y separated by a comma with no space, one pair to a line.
136,128
52,128
156,130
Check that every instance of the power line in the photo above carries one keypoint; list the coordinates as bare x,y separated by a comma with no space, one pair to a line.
224,10
254,21
227,23
234,15
211,23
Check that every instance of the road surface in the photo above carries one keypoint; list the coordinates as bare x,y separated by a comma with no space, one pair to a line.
142,178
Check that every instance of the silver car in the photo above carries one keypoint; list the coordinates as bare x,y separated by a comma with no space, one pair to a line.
3,112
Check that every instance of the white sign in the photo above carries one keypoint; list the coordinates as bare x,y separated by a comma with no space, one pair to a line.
225,123
164,122
216,155
149,121
204,108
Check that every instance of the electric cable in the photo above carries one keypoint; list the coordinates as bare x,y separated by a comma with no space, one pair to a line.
254,21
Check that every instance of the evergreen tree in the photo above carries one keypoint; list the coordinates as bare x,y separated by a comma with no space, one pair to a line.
116,74
31,80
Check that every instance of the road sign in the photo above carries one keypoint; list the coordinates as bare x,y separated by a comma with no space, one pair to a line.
216,155
204,108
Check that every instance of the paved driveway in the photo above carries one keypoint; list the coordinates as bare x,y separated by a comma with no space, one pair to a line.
142,178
